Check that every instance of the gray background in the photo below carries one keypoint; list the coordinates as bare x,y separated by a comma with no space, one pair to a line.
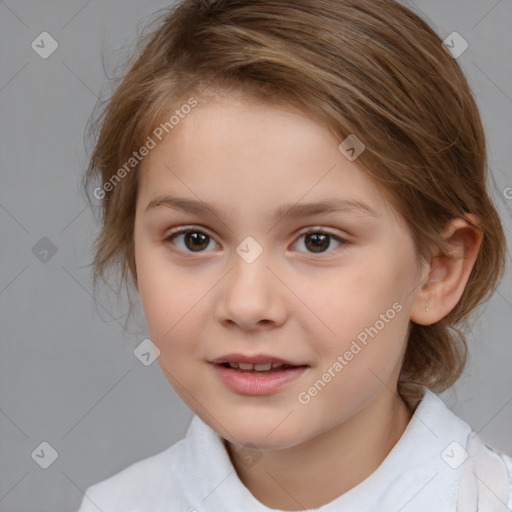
68,375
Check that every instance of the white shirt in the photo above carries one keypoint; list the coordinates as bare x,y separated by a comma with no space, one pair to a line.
421,473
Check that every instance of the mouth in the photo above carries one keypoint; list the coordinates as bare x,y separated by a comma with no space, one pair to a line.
263,377
259,369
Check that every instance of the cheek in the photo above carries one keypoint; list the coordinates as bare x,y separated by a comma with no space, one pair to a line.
366,316
167,297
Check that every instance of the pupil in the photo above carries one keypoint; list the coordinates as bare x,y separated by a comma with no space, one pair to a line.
195,240
317,240
196,237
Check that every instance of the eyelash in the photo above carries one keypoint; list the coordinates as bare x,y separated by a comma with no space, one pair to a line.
191,229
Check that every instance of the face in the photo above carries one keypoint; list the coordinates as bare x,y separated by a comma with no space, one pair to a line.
328,292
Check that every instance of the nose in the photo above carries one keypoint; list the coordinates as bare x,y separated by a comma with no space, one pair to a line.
252,296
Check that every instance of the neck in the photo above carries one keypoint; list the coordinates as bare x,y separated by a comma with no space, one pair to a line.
337,460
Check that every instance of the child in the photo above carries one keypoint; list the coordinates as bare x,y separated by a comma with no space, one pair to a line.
258,131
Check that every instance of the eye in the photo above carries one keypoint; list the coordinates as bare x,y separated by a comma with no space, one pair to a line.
195,240
318,240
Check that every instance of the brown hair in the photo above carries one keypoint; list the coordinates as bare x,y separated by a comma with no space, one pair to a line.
371,68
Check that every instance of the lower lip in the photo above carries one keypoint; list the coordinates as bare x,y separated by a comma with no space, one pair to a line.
255,384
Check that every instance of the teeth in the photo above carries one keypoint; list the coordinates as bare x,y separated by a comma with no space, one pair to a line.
256,367
262,367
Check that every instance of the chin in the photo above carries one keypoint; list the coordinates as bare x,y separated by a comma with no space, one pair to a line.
270,433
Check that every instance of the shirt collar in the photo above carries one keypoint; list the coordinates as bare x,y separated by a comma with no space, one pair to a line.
421,473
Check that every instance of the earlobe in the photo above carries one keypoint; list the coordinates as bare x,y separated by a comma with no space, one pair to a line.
448,274
427,308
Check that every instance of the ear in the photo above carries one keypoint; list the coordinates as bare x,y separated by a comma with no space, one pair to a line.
447,274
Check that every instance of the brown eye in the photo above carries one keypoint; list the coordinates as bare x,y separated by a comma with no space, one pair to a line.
193,240
319,241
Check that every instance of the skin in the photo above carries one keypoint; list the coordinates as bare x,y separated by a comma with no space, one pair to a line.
248,158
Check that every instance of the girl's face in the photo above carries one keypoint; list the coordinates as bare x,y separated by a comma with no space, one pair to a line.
327,288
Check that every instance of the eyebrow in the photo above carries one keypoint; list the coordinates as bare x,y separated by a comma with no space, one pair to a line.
330,205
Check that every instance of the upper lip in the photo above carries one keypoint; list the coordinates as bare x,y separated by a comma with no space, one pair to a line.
254,359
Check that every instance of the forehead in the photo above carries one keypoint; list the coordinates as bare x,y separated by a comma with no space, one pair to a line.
240,151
